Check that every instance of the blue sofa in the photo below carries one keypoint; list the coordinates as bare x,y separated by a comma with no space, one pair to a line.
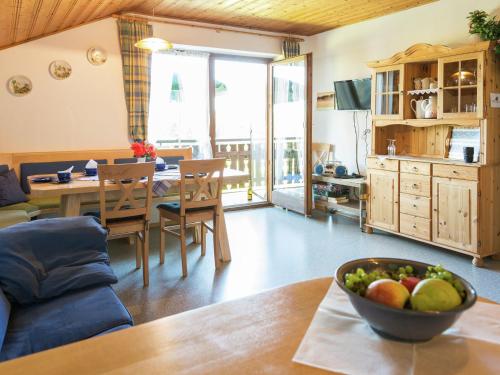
55,285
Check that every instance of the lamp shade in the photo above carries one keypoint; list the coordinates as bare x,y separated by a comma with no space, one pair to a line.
154,44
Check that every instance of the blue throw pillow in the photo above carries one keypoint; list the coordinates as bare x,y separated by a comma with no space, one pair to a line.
4,317
10,190
45,258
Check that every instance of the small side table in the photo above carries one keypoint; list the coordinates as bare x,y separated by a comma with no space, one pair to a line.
352,208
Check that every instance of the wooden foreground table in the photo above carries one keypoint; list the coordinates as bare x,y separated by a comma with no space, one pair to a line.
257,334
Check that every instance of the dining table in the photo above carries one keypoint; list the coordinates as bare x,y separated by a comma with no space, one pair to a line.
85,189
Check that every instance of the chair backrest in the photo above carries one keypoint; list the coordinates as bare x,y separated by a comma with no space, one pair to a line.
201,183
128,177
321,153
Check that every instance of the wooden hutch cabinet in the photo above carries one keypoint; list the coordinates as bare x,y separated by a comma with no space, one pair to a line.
426,191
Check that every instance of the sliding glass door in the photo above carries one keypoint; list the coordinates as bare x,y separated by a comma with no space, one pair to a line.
240,126
291,133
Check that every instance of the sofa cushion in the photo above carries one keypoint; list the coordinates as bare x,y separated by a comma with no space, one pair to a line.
68,318
4,168
8,218
4,316
30,169
10,191
49,257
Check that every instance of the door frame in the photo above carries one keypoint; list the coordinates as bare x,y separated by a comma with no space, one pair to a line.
307,58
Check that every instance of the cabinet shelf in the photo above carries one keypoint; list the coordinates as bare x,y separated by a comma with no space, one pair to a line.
422,92
420,123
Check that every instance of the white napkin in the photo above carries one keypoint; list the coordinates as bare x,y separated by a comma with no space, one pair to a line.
339,340
67,170
91,164
159,160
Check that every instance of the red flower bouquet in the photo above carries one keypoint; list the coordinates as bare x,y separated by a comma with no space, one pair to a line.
143,150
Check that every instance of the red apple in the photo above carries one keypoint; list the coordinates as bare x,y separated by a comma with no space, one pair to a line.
388,292
410,282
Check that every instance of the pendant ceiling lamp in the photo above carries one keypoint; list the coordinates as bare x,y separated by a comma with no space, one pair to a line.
154,44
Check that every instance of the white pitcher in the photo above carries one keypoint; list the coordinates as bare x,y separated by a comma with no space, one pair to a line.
417,109
429,107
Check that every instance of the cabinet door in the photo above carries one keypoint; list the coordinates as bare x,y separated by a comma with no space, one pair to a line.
387,92
461,86
383,203
454,213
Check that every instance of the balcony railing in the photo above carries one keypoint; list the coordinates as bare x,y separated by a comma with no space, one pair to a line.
249,155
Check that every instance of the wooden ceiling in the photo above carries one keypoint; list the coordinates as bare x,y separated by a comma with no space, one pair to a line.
23,20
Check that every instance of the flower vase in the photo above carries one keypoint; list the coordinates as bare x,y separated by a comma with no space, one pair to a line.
141,160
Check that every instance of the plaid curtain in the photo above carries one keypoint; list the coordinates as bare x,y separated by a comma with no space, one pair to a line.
136,76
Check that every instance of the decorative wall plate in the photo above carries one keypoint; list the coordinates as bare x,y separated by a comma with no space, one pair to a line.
19,85
96,56
60,69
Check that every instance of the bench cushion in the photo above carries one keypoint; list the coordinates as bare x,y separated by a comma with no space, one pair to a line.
4,316
68,318
25,206
4,168
10,192
45,203
30,169
8,218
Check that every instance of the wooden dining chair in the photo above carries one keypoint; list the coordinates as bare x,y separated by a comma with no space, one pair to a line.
200,201
128,215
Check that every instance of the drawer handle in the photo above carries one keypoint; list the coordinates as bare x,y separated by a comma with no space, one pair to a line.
414,206
455,172
415,186
414,226
382,165
415,168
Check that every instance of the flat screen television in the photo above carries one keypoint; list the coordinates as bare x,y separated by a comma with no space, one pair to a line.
353,94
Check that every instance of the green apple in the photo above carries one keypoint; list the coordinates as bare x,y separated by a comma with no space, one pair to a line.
389,292
434,295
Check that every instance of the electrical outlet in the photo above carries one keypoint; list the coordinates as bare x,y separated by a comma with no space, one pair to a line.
495,99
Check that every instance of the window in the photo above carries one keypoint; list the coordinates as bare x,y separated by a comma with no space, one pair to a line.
179,101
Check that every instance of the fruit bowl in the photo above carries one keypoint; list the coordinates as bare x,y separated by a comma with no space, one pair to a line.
401,324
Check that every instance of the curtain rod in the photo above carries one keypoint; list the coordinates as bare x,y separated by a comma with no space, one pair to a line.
145,17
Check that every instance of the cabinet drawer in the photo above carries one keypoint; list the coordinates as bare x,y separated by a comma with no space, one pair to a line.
415,184
415,226
415,205
386,164
417,167
455,171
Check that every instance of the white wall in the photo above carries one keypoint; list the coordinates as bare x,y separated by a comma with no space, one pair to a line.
342,54
87,110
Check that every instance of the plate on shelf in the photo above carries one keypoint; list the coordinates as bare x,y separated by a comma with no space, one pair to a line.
60,69
19,85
